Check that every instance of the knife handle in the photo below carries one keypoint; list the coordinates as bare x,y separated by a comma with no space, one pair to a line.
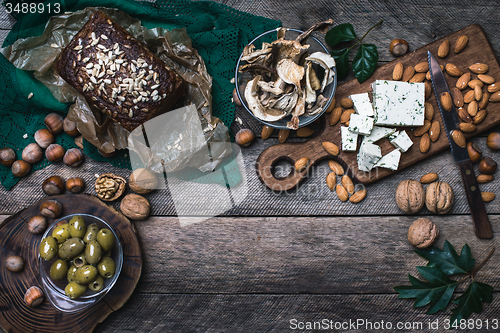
482,225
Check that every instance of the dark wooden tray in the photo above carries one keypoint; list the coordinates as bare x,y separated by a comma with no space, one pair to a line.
15,239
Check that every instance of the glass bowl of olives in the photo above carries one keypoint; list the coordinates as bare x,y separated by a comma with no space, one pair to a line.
80,259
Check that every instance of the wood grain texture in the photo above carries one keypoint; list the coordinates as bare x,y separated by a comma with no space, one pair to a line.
15,239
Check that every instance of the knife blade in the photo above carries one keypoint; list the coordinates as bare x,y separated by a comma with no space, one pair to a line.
450,119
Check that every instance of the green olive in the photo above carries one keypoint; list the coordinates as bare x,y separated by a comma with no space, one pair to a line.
58,270
74,290
97,284
93,252
80,260
77,226
106,239
85,274
71,248
61,233
71,273
106,267
48,248
91,233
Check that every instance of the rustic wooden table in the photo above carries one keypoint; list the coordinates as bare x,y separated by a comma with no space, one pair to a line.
302,256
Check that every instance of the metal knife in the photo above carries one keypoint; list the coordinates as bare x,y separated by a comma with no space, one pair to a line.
482,225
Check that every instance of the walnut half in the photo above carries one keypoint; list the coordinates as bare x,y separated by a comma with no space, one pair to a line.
422,233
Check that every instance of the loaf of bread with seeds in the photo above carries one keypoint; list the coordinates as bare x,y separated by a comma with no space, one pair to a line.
117,74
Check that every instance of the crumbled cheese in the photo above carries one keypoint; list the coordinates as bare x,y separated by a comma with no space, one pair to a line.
389,161
362,104
349,139
402,141
360,124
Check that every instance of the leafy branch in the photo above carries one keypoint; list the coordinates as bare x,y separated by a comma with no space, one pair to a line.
365,61
437,291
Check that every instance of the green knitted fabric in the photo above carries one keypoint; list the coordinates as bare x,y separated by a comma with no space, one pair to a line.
218,32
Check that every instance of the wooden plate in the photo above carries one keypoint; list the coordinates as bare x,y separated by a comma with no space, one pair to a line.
15,239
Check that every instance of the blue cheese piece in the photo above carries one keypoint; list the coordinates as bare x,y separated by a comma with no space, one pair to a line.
378,133
360,124
389,161
349,139
368,156
398,103
362,104
402,141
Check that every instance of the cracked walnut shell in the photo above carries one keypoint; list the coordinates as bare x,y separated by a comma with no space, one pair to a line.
109,186
422,233
410,196
439,197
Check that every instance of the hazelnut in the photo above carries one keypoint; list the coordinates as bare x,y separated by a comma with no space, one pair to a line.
236,99
422,233
32,153
410,196
54,152
44,138
14,264
75,185
51,208
474,152
37,224
53,185
54,123
487,166
493,141
73,157
135,207
33,296
143,181
20,168
69,127
7,156
398,47
244,137
439,197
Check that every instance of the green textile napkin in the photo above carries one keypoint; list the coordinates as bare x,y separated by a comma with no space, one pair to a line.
218,32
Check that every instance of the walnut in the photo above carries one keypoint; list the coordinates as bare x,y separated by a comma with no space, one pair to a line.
422,233
410,196
143,181
439,197
135,207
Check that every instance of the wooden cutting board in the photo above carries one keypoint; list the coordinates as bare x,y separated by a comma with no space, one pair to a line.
479,49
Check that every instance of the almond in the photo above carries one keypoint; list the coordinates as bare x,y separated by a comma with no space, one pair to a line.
494,87
335,116
472,108
283,135
348,184
458,98
346,116
342,193
397,73
461,43
428,90
429,111
417,78
478,68
358,196
463,81
467,127
481,114
469,96
488,196
331,106
305,132
459,138
483,179
453,70
266,132
495,97
346,103
444,49
478,93
473,83
425,143
486,78
422,67
331,148
419,131
464,115
428,76
336,167
428,178
301,164
331,180
434,131
446,101
408,73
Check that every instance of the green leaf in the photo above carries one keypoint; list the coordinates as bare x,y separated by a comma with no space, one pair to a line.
341,62
448,260
471,301
340,33
365,62
437,292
